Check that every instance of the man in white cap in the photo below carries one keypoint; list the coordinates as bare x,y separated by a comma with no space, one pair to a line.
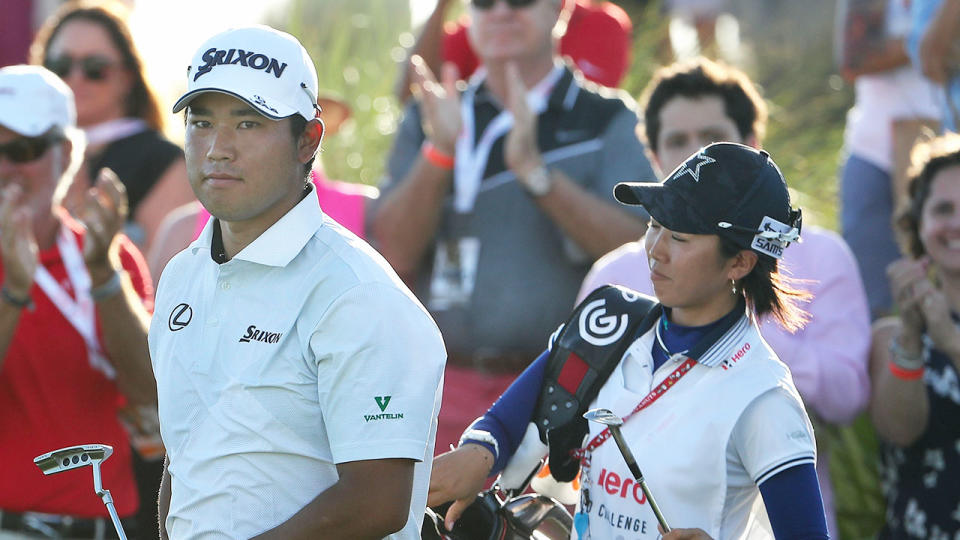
74,304
298,379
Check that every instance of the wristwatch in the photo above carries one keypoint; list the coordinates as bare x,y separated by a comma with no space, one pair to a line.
538,182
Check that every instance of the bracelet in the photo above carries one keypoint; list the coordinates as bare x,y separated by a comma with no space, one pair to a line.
905,360
9,298
905,374
109,288
436,157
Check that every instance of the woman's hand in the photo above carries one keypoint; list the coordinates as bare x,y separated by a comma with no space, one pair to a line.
685,534
909,286
459,475
940,326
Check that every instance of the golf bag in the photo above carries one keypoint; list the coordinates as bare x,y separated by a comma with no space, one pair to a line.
491,518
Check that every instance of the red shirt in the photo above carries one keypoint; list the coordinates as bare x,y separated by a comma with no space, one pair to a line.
597,40
51,397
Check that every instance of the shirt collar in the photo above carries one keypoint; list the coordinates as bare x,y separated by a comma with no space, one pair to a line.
280,243
714,347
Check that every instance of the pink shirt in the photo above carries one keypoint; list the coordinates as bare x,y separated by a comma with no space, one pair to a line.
828,357
342,201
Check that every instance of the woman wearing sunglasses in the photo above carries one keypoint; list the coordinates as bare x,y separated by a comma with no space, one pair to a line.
90,47
709,411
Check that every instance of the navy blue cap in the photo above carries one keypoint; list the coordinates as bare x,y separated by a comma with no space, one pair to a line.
727,189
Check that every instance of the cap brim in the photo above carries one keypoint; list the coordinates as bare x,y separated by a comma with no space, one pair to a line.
275,113
663,204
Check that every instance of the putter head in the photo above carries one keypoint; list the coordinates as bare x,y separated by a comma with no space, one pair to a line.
603,416
72,457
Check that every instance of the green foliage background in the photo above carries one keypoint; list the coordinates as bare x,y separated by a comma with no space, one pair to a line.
356,45
359,44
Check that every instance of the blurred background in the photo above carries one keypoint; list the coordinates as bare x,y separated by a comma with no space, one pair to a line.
785,46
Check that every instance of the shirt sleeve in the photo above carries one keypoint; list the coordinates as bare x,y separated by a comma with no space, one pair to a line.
380,364
772,435
794,504
506,421
828,357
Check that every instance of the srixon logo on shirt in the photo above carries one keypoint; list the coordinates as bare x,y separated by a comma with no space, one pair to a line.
250,59
255,334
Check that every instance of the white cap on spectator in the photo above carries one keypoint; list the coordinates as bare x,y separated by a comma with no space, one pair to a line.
33,100
268,69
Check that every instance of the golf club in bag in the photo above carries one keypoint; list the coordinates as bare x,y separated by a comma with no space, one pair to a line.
613,423
76,457
510,516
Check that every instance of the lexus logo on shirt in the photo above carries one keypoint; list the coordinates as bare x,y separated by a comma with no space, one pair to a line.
180,317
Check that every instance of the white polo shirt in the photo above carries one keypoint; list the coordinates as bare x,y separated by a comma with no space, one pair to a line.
303,351
734,420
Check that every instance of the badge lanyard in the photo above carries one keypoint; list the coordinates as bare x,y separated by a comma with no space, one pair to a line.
80,312
648,400
471,159
581,519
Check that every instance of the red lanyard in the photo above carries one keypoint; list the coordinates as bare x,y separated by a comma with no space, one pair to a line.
648,400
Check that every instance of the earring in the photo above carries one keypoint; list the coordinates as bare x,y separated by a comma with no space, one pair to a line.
733,286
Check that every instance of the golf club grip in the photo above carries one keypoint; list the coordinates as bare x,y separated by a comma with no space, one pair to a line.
635,470
627,454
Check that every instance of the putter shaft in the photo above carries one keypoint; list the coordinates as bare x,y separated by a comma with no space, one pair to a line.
637,475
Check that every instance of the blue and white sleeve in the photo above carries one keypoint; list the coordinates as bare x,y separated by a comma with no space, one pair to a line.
501,429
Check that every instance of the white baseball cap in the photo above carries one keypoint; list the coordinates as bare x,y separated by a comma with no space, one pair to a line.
33,100
268,69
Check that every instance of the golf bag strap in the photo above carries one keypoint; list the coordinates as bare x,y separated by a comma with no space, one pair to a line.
585,352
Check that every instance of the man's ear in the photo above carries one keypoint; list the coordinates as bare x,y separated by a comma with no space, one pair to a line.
310,140
752,141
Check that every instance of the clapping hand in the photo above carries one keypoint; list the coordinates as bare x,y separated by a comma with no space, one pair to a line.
922,306
103,213
521,152
439,103
18,244
909,285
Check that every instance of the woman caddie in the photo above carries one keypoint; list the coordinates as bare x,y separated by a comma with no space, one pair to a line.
712,415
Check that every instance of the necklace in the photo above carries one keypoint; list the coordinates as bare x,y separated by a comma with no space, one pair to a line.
663,322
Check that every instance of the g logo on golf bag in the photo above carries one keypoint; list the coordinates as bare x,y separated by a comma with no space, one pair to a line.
599,329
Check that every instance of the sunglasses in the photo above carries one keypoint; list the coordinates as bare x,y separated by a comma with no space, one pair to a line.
25,149
94,68
514,4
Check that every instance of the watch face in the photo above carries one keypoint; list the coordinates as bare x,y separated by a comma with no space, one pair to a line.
538,182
